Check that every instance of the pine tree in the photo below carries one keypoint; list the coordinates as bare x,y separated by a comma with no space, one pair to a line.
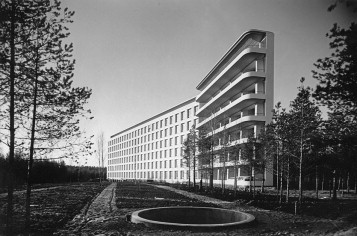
307,118
46,104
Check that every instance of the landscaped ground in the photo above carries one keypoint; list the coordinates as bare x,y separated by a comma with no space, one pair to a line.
131,197
107,214
51,207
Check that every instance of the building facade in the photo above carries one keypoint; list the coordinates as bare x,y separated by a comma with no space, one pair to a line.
152,148
235,101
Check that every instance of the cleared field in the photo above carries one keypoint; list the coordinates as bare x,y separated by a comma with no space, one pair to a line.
51,208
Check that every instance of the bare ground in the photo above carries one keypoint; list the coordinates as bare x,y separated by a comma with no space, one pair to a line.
115,205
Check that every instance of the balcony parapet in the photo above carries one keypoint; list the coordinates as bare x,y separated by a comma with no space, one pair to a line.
225,110
242,77
246,118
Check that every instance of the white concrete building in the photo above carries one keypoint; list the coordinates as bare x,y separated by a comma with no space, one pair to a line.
152,148
236,97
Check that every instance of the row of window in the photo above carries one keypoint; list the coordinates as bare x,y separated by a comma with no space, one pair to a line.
153,136
142,157
154,126
149,175
142,148
176,163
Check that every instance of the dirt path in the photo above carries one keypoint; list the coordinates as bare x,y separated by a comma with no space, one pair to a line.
99,211
221,203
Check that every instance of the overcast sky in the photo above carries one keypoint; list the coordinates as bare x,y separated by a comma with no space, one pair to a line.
142,57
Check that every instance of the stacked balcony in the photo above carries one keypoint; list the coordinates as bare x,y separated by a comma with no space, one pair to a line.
233,96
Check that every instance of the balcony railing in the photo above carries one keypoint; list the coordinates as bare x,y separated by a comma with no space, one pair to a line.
221,108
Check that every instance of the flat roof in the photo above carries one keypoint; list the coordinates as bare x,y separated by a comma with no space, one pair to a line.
225,56
156,116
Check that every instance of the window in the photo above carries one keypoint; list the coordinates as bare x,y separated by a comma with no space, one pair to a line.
170,130
182,127
188,112
176,128
170,120
176,140
165,121
160,123
188,125
176,118
182,115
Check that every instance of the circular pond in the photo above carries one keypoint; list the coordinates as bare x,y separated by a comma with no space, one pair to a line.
191,217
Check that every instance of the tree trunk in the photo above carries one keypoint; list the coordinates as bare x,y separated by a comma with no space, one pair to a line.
288,180
189,176
194,161
250,179
235,176
281,187
355,183
211,172
317,182
348,182
323,182
29,171
300,168
263,180
277,166
10,186
334,183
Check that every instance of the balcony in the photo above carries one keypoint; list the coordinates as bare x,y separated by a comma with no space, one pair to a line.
248,40
243,81
238,66
245,120
245,100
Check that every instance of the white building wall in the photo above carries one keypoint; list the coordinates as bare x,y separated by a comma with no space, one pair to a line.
152,148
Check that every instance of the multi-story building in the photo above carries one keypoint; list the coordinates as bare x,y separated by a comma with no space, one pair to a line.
152,148
235,98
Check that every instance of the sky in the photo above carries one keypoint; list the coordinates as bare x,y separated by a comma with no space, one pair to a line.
142,57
